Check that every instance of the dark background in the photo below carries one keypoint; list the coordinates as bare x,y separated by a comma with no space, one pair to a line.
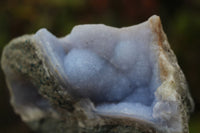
180,19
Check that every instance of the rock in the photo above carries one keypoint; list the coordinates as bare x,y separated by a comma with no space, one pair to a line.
98,79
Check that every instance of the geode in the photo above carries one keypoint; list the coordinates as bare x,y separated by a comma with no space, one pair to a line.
98,79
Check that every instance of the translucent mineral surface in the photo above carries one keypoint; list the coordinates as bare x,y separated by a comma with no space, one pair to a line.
116,68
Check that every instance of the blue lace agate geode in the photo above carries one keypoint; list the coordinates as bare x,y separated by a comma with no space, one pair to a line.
99,76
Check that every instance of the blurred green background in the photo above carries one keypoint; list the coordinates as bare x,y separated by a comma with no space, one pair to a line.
180,19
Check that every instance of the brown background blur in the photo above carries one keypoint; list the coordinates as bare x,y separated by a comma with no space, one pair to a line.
180,19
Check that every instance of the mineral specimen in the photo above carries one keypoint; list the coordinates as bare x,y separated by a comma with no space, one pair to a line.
98,79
